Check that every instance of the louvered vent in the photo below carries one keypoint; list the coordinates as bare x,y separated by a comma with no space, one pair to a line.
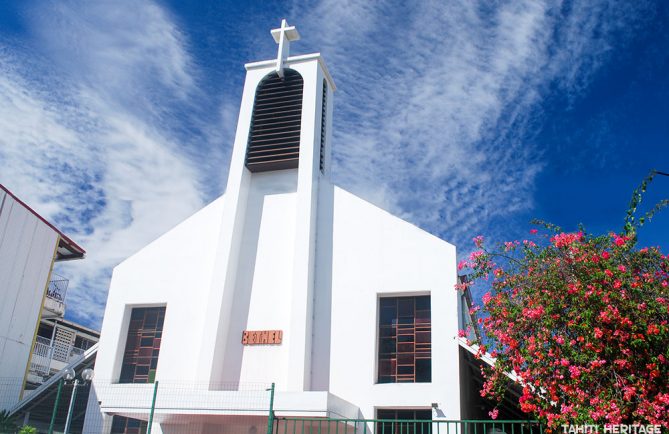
324,108
274,140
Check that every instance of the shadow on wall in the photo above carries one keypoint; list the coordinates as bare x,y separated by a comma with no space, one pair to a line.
263,187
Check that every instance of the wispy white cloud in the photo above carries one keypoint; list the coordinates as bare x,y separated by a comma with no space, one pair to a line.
91,145
442,99
103,131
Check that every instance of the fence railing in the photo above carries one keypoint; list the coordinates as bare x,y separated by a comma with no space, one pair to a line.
43,355
296,425
57,288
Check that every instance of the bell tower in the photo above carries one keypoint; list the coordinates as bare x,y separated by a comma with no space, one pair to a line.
289,109
264,270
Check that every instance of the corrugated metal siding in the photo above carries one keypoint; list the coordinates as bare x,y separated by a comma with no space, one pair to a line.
26,251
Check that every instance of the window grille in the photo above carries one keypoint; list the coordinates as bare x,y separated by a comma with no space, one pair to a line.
142,347
403,421
405,347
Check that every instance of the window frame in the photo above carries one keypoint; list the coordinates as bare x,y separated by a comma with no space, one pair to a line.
377,350
123,342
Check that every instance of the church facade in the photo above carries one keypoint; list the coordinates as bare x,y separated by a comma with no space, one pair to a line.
285,279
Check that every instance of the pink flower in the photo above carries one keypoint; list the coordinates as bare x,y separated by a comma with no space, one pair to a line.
605,255
493,414
621,268
574,371
533,313
533,231
564,240
478,241
486,298
463,264
619,241
475,255
462,333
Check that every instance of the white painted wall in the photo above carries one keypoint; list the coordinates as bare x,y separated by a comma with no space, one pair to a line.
175,271
375,254
27,248
264,281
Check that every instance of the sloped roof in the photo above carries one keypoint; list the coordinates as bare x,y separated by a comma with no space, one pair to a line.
67,249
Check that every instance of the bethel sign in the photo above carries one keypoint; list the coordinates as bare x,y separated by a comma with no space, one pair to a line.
260,337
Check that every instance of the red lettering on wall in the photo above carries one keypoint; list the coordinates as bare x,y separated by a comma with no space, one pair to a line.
262,337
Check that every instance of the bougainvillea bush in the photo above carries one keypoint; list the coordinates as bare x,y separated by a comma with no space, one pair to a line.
582,321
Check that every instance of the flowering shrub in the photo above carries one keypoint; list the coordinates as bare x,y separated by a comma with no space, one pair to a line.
583,322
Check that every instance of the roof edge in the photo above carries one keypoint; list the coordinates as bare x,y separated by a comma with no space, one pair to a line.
77,250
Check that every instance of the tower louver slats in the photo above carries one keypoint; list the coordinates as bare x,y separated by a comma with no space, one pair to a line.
324,106
274,137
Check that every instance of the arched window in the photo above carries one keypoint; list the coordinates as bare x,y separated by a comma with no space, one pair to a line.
274,137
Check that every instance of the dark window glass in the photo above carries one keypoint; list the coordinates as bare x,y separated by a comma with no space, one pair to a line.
405,350
404,421
125,425
83,343
140,358
45,330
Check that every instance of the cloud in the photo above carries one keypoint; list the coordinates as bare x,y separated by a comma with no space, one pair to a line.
110,127
92,144
438,104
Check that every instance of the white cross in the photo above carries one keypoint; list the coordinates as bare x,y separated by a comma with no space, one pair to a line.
283,36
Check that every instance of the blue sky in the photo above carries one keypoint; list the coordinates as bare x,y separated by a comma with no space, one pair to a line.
465,118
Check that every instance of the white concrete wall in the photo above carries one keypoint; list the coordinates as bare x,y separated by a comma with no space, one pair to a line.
27,248
232,268
375,254
264,281
173,271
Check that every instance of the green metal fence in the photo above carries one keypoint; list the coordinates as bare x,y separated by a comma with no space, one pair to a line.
295,425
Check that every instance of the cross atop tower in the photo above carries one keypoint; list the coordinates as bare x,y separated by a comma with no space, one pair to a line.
283,36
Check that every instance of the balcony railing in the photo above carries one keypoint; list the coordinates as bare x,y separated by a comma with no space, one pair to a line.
41,360
45,352
57,288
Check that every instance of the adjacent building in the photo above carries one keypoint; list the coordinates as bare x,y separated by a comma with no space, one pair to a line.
57,344
30,292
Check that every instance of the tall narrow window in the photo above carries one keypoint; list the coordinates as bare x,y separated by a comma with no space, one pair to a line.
274,137
405,350
324,109
145,332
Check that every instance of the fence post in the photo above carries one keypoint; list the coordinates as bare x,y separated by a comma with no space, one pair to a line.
153,407
270,418
70,410
55,406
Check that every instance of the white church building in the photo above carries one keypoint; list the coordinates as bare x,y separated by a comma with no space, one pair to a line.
285,279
